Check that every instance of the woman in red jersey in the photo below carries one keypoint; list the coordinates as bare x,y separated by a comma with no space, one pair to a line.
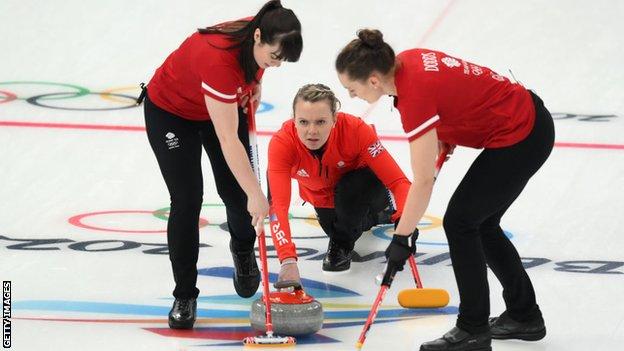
446,101
195,99
342,169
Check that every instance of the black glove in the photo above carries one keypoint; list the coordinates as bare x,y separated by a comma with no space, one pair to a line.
414,234
399,250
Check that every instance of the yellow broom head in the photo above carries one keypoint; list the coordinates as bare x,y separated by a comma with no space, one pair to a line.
423,298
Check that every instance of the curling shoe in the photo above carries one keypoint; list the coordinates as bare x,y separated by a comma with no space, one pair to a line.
503,327
246,273
459,340
337,259
384,216
183,314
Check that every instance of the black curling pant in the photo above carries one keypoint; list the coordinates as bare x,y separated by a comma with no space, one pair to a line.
359,196
472,226
177,144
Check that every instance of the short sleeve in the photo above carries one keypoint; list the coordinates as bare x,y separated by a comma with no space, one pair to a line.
418,116
418,108
221,83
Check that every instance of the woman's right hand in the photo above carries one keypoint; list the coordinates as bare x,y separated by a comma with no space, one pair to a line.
258,207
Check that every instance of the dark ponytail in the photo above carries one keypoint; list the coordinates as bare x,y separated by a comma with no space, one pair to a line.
364,55
277,25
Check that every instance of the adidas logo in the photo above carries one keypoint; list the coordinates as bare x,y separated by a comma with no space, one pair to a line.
170,135
302,173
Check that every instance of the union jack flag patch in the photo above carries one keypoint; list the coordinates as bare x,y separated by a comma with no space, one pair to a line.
375,149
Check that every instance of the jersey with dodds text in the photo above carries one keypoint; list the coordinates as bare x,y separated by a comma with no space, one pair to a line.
468,104
352,144
202,65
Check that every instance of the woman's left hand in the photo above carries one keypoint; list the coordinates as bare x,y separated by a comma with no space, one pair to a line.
289,271
445,147
256,95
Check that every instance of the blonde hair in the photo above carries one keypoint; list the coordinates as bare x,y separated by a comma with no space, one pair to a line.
317,92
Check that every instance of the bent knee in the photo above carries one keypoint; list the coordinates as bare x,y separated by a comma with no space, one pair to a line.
460,223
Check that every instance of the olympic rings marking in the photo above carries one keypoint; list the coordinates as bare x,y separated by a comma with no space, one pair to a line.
311,220
35,101
77,221
106,94
7,96
112,94
385,232
80,91
162,213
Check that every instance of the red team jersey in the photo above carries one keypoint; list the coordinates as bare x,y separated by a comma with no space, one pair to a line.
200,66
468,105
352,144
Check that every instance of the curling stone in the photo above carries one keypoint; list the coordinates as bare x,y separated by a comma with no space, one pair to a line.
292,312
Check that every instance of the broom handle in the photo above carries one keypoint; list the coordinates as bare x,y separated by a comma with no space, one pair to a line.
412,262
371,316
255,165
265,280
414,268
253,139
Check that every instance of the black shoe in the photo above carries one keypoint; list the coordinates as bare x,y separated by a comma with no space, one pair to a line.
503,327
373,219
246,273
384,216
183,314
337,259
459,340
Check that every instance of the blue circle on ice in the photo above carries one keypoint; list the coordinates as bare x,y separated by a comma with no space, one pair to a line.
385,232
264,107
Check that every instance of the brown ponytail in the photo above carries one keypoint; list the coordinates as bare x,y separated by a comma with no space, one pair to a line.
364,55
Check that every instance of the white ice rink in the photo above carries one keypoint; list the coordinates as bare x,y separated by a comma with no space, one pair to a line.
83,204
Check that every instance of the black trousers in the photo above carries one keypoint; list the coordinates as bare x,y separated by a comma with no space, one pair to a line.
177,144
472,226
359,196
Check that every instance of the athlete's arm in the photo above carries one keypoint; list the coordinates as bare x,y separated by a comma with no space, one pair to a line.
423,153
224,116
278,175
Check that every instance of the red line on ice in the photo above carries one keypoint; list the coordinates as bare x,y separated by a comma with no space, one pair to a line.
260,133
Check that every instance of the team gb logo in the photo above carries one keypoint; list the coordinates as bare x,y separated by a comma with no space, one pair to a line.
451,62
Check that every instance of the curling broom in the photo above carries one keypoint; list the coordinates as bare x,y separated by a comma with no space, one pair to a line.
419,297
424,297
269,339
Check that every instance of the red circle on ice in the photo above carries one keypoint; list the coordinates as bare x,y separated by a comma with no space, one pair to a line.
78,222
